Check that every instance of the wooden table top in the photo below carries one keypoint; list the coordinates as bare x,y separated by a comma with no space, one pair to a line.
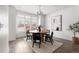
34,31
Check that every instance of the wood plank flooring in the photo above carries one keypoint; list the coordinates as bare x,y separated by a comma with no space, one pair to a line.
67,47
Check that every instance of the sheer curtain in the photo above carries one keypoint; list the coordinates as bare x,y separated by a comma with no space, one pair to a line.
24,23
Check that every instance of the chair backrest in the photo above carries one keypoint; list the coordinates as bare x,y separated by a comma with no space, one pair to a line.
51,35
36,36
27,32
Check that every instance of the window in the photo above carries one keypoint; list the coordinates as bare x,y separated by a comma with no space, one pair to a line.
20,23
26,22
34,22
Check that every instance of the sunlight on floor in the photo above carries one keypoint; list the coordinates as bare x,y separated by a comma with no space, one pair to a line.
22,47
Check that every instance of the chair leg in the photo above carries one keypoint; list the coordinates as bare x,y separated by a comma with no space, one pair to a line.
26,38
33,44
31,37
51,41
39,43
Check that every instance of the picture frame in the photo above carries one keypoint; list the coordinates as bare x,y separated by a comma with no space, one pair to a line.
56,23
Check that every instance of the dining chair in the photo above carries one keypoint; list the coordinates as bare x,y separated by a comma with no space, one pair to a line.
49,38
28,35
36,39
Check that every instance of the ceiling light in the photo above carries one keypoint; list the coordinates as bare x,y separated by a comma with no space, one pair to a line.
39,12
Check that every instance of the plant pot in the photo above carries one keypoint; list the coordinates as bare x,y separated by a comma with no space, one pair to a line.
75,40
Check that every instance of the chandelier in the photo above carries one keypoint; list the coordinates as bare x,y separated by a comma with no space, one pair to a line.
39,15
39,12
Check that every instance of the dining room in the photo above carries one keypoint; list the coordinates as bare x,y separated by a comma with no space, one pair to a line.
39,29
42,28
32,27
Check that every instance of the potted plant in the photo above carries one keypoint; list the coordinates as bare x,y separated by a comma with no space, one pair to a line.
75,29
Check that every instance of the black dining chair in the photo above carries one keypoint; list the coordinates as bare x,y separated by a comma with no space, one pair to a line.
49,38
36,39
28,35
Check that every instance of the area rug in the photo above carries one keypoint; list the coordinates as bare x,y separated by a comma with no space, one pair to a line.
45,47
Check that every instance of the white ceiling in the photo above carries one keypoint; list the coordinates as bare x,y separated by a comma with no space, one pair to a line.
46,9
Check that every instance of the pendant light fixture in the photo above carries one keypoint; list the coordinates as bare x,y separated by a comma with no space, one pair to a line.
39,15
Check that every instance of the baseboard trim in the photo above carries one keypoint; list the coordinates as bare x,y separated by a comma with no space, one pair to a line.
21,37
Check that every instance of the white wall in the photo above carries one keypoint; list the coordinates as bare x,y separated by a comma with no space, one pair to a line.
12,23
4,46
69,16
43,20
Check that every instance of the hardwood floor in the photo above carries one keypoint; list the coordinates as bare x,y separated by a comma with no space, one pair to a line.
19,46
67,47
